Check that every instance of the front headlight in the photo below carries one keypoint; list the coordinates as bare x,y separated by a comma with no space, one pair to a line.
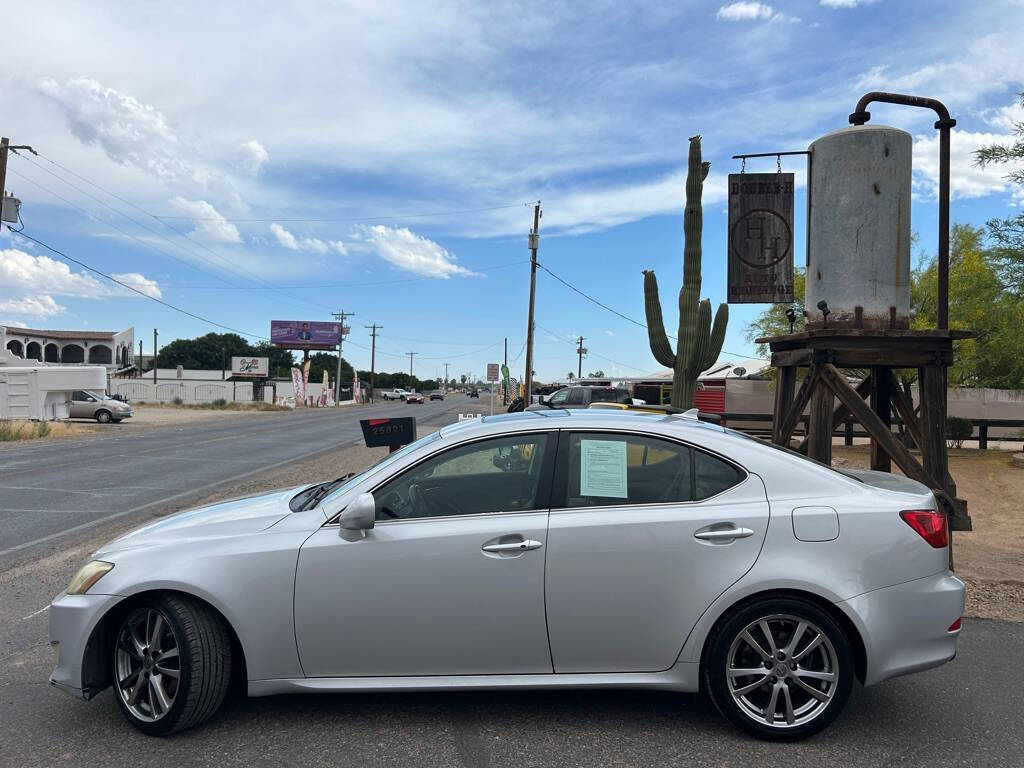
88,575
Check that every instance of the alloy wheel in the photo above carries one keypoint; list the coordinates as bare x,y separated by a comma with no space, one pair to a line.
148,664
782,671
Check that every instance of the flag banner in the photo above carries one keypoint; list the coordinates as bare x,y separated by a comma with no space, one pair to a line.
300,386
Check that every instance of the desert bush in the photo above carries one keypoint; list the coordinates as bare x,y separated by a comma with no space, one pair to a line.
9,431
178,401
42,428
220,402
958,429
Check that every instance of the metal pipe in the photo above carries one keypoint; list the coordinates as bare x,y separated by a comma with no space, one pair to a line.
942,125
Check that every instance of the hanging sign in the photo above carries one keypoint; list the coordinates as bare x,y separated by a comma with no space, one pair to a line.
760,238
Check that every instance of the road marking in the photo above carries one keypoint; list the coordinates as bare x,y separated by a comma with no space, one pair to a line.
44,608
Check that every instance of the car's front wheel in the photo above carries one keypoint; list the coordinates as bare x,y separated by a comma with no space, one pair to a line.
781,669
172,664
103,417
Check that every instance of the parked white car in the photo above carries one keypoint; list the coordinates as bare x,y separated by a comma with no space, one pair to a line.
546,549
395,394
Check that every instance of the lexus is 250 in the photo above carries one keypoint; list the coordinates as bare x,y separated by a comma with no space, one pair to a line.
547,549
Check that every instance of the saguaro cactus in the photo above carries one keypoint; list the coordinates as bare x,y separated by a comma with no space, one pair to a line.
698,344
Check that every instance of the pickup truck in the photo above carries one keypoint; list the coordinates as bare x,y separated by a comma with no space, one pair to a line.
395,394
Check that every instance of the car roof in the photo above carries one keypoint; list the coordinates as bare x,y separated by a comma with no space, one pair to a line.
580,418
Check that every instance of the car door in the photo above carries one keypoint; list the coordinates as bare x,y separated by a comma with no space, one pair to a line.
82,405
639,546
449,581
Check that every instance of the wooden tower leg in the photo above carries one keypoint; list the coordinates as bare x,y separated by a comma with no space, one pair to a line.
881,403
785,386
819,436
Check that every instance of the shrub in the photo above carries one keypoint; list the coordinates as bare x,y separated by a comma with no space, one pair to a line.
220,402
42,428
9,431
178,401
958,429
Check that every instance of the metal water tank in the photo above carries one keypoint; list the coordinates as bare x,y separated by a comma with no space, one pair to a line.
858,239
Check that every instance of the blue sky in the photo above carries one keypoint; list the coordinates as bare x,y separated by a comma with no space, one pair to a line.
255,162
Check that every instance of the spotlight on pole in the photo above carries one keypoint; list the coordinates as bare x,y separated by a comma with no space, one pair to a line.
823,306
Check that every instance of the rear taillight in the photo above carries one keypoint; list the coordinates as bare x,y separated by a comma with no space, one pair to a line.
931,525
954,627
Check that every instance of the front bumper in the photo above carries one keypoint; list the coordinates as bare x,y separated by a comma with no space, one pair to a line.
73,618
905,627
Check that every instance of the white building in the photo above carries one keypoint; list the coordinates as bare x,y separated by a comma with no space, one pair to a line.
113,350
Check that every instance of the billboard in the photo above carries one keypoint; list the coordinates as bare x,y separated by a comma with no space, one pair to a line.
760,238
304,334
250,366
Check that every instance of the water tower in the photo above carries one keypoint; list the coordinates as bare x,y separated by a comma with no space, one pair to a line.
857,306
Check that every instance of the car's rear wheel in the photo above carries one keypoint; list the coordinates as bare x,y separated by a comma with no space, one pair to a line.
172,664
781,669
103,417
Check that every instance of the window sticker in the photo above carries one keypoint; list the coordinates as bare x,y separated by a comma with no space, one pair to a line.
603,468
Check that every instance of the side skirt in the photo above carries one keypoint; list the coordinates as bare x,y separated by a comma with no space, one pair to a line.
683,677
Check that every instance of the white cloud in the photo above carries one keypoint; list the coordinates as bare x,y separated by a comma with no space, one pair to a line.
315,245
745,10
845,3
411,252
41,306
28,284
609,333
130,132
208,223
254,156
966,179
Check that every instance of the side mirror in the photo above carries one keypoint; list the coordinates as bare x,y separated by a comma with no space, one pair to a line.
360,514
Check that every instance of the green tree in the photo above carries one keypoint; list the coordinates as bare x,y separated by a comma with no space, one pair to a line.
204,353
773,321
325,361
1007,235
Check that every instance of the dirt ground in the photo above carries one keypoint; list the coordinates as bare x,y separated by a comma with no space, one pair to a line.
990,558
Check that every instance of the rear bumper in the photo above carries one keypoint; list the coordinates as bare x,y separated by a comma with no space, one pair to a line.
904,627
72,621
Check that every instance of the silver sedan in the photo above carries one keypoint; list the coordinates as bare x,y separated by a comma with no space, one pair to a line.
548,549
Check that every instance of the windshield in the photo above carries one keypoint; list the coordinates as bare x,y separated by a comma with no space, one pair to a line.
391,458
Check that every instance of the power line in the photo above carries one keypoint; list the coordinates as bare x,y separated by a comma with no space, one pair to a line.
136,290
590,298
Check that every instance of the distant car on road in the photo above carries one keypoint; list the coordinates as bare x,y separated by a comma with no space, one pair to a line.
437,394
473,393
396,394
581,549
95,405
414,397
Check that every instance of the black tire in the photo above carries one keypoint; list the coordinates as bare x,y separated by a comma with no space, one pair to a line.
103,417
204,649
726,640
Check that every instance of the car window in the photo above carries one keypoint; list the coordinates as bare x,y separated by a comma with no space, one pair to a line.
712,475
559,397
575,396
498,475
603,396
78,395
626,469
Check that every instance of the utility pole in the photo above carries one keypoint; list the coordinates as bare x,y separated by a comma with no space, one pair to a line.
581,352
373,353
154,357
410,354
504,389
5,147
533,242
138,365
341,315
446,375
223,357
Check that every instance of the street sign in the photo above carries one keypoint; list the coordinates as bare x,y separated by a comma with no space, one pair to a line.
492,371
760,238
388,433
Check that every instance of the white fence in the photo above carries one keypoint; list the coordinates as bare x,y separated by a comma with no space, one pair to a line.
196,391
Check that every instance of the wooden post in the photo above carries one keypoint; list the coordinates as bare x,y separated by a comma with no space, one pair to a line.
785,385
932,381
848,436
841,413
819,435
881,404
983,435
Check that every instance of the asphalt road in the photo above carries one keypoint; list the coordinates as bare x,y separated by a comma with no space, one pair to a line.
967,713
54,490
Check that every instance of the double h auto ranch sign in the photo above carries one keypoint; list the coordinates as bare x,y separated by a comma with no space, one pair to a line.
760,238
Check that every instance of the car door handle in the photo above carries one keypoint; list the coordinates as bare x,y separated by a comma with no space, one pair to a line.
728,533
512,546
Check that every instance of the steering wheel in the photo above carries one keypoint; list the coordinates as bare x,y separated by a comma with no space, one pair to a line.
424,506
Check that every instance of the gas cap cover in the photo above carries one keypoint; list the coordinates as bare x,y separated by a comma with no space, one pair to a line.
815,523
